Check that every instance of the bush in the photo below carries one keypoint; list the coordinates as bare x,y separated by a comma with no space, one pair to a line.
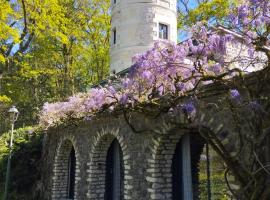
25,174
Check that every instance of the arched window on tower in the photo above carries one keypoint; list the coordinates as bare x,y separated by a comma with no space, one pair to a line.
71,174
114,172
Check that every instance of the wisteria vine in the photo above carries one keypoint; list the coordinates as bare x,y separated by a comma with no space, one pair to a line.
175,70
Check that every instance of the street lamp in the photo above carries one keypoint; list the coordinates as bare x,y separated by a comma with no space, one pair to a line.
13,111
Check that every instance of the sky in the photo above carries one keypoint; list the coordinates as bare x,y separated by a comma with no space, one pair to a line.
183,35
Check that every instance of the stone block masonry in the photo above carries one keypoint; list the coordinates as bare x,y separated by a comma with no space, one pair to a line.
147,159
147,155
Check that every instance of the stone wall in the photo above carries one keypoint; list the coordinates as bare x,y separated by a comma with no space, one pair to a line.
147,153
147,158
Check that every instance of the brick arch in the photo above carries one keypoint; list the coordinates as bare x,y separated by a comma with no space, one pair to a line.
60,170
222,130
97,169
226,135
159,173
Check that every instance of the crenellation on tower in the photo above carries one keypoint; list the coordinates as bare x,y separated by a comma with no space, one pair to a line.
136,25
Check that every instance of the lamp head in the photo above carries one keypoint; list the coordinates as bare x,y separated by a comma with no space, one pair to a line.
14,112
13,109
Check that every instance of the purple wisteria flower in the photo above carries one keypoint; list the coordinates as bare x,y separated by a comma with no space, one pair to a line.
148,77
180,86
251,52
112,90
124,99
234,94
126,82
217,68
189,108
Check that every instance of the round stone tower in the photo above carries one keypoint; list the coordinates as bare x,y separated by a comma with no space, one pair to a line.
136,25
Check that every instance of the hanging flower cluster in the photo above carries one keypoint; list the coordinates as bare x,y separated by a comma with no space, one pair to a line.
252,20
167,69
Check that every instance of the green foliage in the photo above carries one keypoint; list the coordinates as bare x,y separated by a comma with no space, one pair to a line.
219,189
50,50
24,164
5,103
4,99
206,12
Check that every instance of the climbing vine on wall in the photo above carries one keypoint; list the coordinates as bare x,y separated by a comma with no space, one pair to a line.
168,79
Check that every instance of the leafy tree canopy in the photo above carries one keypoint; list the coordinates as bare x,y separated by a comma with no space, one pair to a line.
51,49
206,11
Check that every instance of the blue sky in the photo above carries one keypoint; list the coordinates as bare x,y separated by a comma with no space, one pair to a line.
182,35
191,4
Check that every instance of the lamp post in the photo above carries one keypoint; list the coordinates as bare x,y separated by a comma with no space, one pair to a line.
13,111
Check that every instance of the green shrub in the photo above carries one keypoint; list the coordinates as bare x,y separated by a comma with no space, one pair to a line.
25,160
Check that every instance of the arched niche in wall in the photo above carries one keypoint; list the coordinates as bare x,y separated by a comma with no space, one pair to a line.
114,172
64,179
185,171
184,167
106,177
71,174
197,171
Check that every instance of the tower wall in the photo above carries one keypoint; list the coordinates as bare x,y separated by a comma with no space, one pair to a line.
136,23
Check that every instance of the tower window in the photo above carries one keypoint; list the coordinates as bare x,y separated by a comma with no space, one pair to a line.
114,36
114,1
163,31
